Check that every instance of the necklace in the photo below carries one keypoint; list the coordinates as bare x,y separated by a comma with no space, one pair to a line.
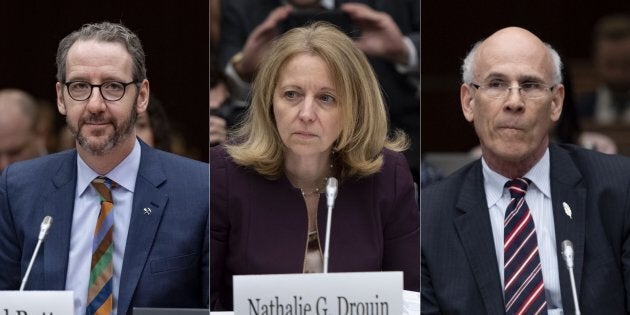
319,187
314,191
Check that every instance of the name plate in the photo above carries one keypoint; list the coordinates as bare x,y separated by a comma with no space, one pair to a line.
36,302
366,293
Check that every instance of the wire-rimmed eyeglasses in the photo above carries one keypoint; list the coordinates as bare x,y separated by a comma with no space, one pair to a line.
500,90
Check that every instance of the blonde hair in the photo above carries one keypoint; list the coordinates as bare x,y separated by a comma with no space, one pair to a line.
256,142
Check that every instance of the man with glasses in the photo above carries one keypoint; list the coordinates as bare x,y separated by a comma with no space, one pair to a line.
130,222
493,232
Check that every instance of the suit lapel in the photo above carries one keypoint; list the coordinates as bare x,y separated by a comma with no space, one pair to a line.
569,225
58,202
475,232
143,226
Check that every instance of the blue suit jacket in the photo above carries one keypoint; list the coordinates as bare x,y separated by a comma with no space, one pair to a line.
166,255
460,274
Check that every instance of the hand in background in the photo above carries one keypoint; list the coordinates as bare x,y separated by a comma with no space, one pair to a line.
217,130
259,40
380,36
218,94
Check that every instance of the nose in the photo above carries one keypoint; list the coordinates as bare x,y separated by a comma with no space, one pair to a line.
96,102
307,110
515,101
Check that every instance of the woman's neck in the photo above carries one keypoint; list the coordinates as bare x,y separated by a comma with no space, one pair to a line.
307,173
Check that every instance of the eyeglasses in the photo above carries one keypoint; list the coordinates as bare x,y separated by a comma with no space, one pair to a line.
110,91
500,90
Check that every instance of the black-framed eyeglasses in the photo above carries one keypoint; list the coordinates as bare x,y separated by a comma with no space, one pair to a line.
110,91
500,90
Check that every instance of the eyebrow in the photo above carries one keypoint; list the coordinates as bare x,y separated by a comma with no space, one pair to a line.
520,78
297,87
329,90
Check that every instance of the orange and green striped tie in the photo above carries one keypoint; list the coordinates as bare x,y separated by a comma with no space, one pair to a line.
100,298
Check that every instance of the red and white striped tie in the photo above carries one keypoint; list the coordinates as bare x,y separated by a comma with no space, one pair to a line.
524,286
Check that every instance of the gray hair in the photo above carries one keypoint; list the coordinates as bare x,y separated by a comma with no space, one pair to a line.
105,32
467,72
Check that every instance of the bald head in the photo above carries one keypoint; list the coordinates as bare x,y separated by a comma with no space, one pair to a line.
17,104
514,44
18,135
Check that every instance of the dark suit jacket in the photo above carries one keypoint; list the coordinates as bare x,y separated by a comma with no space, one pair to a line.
240,17
166,258
459,267
260,226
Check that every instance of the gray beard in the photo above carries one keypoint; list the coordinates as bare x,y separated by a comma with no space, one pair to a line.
120,134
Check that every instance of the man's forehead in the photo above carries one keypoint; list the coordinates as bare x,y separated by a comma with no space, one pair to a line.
515,60
87,55
95,51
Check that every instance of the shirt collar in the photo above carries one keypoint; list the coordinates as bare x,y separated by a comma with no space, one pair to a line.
124,174
494,182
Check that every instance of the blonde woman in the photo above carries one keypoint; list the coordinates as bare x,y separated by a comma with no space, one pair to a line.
316,112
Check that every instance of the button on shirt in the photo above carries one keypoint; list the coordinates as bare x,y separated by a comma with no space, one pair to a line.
538,198
86,209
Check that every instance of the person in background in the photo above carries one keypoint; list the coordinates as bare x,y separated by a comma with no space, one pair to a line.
316,113
569,129
225,111
493,232
153,126
131,222
19,136
610,103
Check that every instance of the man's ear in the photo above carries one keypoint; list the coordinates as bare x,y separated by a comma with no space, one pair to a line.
557,102
61,104
142,102
468,101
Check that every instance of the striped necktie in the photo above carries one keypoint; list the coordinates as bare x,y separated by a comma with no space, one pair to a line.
100,299
524,287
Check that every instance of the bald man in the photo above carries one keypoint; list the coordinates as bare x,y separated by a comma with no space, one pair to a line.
492,232
19,139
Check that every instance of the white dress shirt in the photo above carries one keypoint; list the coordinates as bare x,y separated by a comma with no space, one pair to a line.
86,210
538,199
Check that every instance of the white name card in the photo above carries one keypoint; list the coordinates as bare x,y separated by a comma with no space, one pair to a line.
366,293
36,302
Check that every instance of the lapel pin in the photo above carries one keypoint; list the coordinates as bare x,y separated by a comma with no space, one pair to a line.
147,211
567,210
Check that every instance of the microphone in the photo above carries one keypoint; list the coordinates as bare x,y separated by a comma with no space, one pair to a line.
331,195
567,254
43,231
331,191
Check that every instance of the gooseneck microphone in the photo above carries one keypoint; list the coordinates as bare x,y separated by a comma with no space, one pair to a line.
567,254
331,195
43,231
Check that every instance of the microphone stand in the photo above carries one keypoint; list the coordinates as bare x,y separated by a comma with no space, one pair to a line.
567,254
45,226
331,194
